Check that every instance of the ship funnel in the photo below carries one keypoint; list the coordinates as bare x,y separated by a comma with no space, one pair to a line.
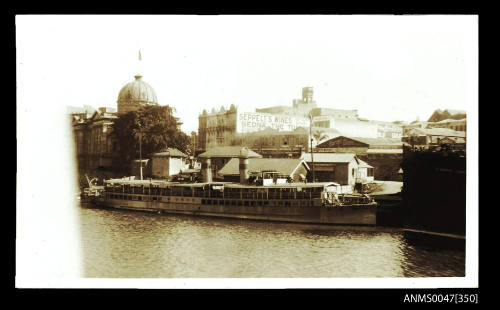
206,170
244,165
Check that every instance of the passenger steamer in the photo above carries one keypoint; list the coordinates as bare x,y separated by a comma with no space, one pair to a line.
270,198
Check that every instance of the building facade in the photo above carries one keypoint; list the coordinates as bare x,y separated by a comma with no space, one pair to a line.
384,154
167,163
357,127
345,169
286,126
434,137
451,119
96,148
454,124
440,115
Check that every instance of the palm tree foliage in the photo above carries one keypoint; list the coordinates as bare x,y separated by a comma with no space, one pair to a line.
319,135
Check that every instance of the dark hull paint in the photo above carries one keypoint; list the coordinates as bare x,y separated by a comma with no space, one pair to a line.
345,215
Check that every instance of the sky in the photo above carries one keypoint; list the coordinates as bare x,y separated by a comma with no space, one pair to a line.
387,67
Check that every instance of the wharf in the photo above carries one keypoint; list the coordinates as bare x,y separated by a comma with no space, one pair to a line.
435,239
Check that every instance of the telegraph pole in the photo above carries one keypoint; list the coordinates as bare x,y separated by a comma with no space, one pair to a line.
312,152
140,129
140,152
140,149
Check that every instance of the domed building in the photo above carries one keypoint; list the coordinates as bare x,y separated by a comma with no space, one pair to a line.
136,94
95,146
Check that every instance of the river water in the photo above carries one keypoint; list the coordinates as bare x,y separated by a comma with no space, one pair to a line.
128,244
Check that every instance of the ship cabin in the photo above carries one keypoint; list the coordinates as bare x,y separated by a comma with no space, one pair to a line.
288,194
268,177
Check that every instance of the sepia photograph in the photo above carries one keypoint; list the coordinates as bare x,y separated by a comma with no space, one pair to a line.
247,151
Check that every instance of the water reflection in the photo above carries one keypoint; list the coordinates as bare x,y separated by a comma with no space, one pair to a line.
140,245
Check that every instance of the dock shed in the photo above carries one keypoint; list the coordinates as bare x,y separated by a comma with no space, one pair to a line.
168,162
291,168
343,168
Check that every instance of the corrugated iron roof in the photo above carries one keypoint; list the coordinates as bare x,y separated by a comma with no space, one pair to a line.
329,157
393,142
385,151
363,164
227,151
285,166
169,152
449,120
378,141
439,132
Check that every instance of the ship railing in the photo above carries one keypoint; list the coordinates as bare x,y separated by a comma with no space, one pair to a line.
206,192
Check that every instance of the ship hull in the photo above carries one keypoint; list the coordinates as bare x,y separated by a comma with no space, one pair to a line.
364,214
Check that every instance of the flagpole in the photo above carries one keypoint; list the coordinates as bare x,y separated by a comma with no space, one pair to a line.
139,67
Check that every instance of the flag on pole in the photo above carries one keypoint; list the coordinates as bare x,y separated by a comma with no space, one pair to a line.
140,58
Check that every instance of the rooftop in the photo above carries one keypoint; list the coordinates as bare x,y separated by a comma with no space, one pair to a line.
169,152
137,91
227,151
335,158
439,132
371,141
449,120
384,151
329,157
285,166
379,141
363,164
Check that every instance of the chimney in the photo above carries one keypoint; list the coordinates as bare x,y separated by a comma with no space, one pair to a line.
206,170
243,165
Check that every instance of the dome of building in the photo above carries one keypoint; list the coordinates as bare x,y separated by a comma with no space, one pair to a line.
136,94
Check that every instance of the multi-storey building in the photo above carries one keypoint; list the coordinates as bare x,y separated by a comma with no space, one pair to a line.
431,137
96,148
287,126
454,124
450,119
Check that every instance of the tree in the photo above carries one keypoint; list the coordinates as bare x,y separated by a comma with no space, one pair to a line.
319,135
157,126
194,141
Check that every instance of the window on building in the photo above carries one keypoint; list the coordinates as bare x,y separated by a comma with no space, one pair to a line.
369,172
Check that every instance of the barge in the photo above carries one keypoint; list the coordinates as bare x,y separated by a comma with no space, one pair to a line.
262,195
318,203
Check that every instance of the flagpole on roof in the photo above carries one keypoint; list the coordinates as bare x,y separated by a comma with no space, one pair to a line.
139,66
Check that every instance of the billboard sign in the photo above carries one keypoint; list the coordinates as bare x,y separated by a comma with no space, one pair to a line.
248,122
